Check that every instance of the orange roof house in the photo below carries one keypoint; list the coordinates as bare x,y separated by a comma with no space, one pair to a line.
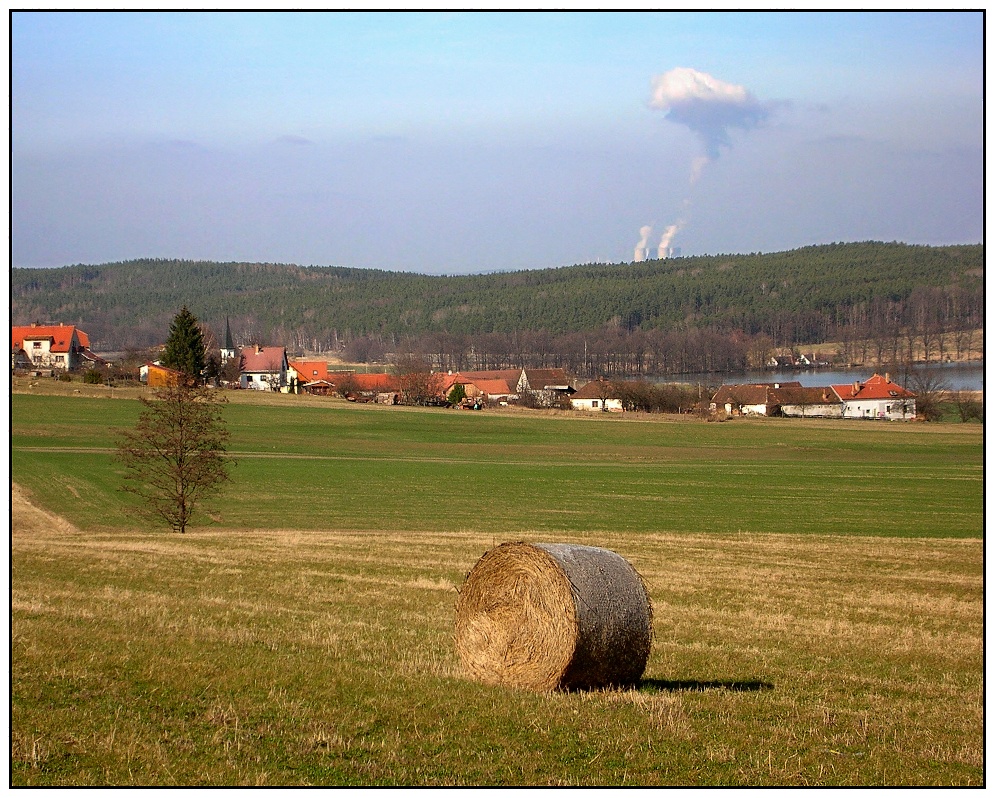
304,373
477,386
308,370
877,397
57,346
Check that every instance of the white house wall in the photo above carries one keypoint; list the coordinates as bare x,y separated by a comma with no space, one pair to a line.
883,409
813,411
595,405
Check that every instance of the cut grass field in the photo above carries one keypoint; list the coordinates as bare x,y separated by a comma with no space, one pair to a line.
817,590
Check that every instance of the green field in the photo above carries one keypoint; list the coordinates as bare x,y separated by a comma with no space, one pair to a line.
817,587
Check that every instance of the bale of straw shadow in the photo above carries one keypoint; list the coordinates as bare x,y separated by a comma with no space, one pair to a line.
546,616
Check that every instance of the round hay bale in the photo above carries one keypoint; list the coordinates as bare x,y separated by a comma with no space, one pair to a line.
545,616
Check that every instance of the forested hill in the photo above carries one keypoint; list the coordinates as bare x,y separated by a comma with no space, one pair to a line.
802,294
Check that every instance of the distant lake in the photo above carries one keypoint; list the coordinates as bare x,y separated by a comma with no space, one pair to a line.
958,376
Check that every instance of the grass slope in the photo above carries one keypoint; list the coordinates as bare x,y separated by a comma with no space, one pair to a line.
316,465
305,637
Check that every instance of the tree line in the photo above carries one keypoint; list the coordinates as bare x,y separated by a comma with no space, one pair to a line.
705,313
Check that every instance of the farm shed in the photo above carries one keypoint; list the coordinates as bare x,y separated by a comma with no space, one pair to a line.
157,376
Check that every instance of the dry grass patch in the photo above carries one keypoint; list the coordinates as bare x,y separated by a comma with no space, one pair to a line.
243,657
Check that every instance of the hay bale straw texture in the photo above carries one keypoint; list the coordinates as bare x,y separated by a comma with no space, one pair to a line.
546,616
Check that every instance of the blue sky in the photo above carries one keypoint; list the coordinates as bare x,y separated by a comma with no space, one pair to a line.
467,142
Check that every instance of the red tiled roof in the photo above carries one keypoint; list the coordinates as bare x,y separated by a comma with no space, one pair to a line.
310,370
511,375
263,358
375,382
60,336
493,387
876,387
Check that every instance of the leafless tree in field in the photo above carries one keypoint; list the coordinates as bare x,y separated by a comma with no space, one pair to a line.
177,453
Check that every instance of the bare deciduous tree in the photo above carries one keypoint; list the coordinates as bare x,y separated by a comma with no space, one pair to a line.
418,383
931,391
969,405
177,453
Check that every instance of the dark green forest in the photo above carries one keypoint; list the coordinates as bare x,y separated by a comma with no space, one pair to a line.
734,306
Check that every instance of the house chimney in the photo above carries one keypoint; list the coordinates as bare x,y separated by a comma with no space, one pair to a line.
856,388
259,349
887,377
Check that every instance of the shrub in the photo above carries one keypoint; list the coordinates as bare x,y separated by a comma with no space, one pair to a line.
457,394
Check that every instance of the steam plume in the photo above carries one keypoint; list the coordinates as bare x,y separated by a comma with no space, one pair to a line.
709,108
668,235
643,245
706,105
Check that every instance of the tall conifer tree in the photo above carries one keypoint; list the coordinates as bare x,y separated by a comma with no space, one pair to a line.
185,345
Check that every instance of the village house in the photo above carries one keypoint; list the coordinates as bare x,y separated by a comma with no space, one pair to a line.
781,361
597,396
478,388
62,347
546,385
502,383
876,398
755,399
310,376
508,385
264,368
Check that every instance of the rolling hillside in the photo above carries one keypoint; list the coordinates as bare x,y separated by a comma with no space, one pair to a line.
812,291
